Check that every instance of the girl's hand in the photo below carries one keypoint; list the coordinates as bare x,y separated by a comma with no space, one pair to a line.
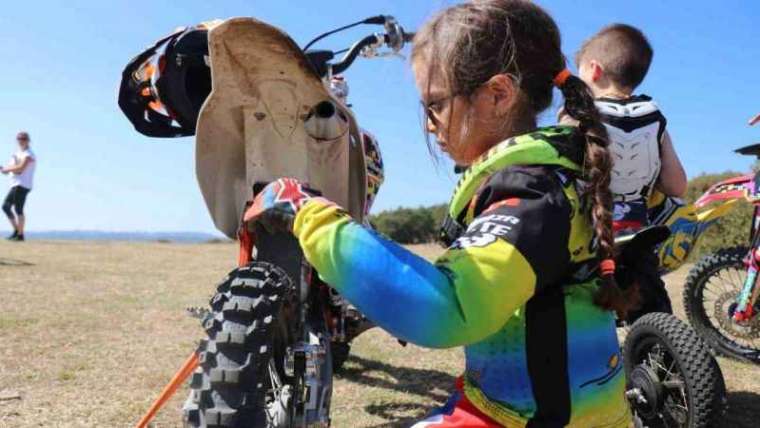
755,119
278,203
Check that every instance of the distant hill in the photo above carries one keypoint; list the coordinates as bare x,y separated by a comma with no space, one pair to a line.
95,235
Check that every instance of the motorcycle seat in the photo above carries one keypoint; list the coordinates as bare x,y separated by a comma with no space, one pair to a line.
751,150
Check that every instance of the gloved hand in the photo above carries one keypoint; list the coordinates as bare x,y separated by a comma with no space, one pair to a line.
278,203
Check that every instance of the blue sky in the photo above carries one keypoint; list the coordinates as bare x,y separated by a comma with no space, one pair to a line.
63,59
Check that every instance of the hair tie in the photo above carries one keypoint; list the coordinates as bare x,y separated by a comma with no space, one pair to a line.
561,77
607,267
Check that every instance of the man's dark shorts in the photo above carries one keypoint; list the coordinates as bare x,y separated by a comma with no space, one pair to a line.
16,199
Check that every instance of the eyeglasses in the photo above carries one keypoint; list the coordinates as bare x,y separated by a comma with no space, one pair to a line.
434,109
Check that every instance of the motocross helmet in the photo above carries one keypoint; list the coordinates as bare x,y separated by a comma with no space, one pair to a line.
162,89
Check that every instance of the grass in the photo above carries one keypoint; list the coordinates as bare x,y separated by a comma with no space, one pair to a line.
91,332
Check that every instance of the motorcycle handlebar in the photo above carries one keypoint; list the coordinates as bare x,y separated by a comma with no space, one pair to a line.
351,55
390,40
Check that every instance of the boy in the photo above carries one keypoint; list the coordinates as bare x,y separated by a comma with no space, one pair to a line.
613,63
22,174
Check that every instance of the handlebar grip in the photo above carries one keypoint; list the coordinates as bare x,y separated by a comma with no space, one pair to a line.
408,37
376,20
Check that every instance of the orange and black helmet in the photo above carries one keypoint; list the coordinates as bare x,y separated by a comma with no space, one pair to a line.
162,89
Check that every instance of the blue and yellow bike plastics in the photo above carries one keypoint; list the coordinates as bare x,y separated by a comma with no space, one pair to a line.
687,223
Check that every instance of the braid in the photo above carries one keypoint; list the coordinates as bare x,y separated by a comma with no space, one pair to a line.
579,104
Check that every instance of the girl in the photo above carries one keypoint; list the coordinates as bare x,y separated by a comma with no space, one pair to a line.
526,285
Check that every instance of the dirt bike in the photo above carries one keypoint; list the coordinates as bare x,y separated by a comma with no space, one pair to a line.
672,379
721,294
660,348
263,108
720,300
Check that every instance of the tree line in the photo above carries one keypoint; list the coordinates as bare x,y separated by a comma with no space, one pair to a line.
421,224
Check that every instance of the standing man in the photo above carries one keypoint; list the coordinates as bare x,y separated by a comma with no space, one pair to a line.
21,170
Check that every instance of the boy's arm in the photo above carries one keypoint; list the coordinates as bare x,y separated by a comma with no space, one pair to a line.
672,180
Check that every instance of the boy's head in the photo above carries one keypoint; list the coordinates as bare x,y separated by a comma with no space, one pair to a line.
615,58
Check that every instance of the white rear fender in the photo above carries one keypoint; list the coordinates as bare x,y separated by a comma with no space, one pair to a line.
266,118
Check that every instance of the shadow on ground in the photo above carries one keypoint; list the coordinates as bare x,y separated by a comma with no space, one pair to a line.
432,387
743,410
14,262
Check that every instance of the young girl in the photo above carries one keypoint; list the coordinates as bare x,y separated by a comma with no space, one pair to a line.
526,285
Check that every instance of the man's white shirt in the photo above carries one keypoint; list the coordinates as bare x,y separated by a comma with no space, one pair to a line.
26,177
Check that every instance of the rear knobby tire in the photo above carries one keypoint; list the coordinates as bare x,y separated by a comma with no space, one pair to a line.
694,296
229,386
704,386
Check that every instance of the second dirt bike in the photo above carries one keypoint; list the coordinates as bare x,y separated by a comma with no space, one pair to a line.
722,297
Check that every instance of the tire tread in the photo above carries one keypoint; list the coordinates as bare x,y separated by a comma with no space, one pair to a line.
701,373
226,389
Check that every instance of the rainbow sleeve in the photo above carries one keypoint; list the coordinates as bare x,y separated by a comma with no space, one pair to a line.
468,294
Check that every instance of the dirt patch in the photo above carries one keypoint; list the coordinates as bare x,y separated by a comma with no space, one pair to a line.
92,331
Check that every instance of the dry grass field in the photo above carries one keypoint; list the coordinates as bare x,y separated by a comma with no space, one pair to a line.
90,332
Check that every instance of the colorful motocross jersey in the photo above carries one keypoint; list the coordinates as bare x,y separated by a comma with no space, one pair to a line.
515,288
635,127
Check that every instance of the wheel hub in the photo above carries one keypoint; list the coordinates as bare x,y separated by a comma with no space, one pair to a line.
725,306
645,379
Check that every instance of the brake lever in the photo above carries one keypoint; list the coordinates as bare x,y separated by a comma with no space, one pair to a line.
371,51
389,54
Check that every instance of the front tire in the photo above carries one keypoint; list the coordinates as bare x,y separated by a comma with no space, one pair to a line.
712,286
229,387
673,380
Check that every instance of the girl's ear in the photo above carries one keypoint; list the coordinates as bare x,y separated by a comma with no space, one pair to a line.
501,92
